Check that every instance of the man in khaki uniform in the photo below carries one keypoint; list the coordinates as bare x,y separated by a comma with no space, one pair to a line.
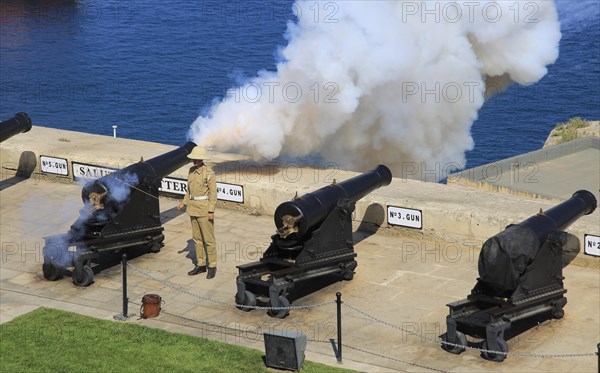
200,201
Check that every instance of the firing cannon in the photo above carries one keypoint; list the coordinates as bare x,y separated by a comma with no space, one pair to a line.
18,124
520,280
120,211
313,239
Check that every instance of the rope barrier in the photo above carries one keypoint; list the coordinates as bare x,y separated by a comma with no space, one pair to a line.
440,341
260,335
355,309
393,358
185,291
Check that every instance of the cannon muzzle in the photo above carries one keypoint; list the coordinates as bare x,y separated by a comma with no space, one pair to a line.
18,124
300,215
561,216
506,257
165,164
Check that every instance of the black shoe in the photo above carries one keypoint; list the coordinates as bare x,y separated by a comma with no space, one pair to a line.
212,272
197,270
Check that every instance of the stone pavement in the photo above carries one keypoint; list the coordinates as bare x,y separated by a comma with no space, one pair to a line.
402,282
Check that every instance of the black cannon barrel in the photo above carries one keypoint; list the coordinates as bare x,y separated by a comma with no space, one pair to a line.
164,164
562,215
144,171
504,257
310,209
161,165
18,124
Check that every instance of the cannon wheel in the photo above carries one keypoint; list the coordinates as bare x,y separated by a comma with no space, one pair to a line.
492,356
348,270
85,278
249,300
348,275
52,272
280,313
558,313
461,339
155,247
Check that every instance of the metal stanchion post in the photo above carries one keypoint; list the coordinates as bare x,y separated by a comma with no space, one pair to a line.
339,325
125,315
125,299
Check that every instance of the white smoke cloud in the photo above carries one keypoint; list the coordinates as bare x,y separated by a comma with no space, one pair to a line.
391,82
119,187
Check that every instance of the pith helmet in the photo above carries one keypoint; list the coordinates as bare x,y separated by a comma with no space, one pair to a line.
198,153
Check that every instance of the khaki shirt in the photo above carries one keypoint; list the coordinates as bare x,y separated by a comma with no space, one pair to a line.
201,182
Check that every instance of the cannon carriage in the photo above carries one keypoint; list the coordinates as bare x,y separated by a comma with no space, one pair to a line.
520,280
121,212
313,240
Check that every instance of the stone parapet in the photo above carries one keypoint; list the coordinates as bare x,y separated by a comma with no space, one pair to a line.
450,212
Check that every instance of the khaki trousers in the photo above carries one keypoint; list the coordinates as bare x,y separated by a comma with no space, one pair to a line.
203,233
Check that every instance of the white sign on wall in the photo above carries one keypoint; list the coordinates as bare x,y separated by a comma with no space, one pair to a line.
53,165
225,191
591,244
82,171
405,217
172,185
230,192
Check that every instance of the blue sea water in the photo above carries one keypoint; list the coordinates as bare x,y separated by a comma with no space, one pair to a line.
152,66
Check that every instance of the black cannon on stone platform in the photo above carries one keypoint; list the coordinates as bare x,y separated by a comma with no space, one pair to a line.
18,124
520,280
121,211
313,239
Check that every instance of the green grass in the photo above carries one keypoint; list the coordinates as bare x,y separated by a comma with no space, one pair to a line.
577,122
49,340
568,131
